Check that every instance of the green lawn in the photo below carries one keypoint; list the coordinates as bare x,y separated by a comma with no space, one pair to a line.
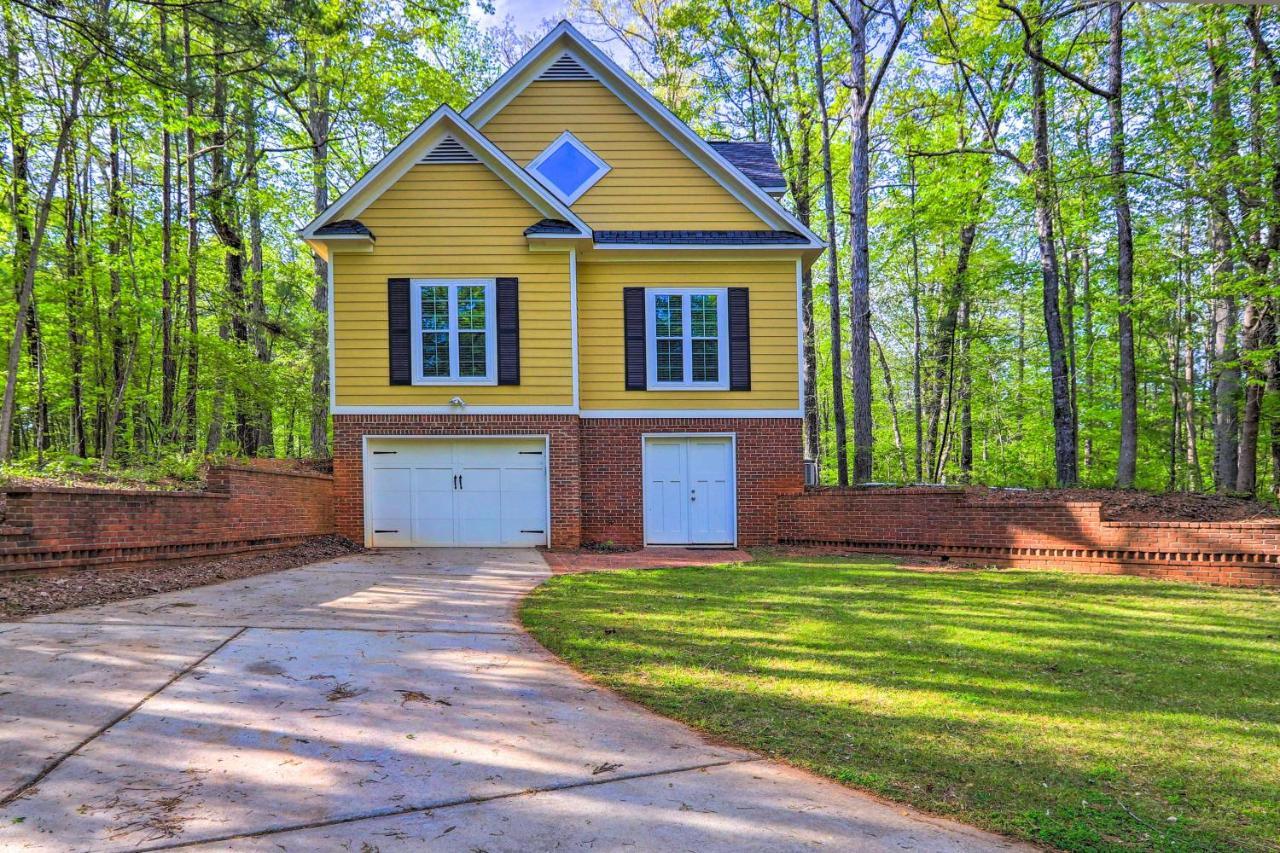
1079,711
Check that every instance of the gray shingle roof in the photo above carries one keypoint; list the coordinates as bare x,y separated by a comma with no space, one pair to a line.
731,238
344,226
753,159
550,227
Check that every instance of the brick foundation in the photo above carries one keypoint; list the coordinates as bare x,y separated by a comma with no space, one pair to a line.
1033,534
595,468
770,463
562,430
241,509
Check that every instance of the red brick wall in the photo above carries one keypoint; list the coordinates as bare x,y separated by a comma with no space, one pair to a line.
595,468
769,464
1032,534
241,509
349,430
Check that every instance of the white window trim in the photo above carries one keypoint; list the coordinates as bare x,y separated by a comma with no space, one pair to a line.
602,168
490,330
722,335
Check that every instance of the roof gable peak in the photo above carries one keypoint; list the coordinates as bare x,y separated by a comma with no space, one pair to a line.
444,137
565,41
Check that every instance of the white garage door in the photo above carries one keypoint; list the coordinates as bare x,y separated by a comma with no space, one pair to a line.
689,491
455,492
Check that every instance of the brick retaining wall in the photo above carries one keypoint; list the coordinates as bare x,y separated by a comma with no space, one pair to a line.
1035,533
242,508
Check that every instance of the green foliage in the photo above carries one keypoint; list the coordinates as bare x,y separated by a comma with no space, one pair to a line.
289,102
950,121
1080,712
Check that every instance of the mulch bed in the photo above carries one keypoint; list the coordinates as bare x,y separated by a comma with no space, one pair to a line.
1131,505
36,594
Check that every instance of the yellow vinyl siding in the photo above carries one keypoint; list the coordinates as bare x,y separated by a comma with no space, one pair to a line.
651,183
774,369
451,221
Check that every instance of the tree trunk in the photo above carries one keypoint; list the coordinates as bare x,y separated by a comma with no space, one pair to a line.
113,413
833,277
1064,435
859,256
168,360
938,382
804,212
225,221
1086,301
263,429
75,338
917,393
966,398
1127,462
1225,364
318,121
193,242
1188,394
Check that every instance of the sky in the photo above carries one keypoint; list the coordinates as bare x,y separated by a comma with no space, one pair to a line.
526,13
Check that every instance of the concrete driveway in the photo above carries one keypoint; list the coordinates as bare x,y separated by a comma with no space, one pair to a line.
378,702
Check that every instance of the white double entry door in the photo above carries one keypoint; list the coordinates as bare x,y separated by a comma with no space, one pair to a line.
689,490
455,492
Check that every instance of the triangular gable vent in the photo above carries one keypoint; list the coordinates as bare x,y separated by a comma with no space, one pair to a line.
566,68
449,150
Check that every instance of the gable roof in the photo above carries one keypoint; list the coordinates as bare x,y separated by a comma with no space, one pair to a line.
447,126
755,160
564,40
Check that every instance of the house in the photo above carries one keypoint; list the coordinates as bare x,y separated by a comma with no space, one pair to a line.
562,317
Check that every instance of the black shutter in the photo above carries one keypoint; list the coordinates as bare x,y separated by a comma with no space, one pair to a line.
398,350
508,313
634,338
739,340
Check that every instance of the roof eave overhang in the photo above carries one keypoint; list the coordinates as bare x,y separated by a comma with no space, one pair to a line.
557,242
806,252
327,245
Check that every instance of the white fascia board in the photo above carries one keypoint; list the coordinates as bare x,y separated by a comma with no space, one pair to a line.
404,156
709,414
694,247
520,75
461,411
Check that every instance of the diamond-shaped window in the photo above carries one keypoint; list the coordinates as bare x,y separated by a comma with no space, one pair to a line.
568,167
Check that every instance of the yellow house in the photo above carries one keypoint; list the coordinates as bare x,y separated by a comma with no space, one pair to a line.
561,317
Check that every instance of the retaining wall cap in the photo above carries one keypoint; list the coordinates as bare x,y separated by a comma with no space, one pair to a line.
94,490
253,469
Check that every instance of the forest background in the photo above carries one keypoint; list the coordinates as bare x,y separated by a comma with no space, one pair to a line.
1055,226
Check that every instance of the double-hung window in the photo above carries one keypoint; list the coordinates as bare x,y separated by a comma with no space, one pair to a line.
452,331
687,331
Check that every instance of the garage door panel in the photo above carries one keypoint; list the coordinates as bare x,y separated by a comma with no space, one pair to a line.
391,507
433,506
473,491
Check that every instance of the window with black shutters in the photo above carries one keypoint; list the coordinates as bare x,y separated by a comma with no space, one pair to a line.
453,331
